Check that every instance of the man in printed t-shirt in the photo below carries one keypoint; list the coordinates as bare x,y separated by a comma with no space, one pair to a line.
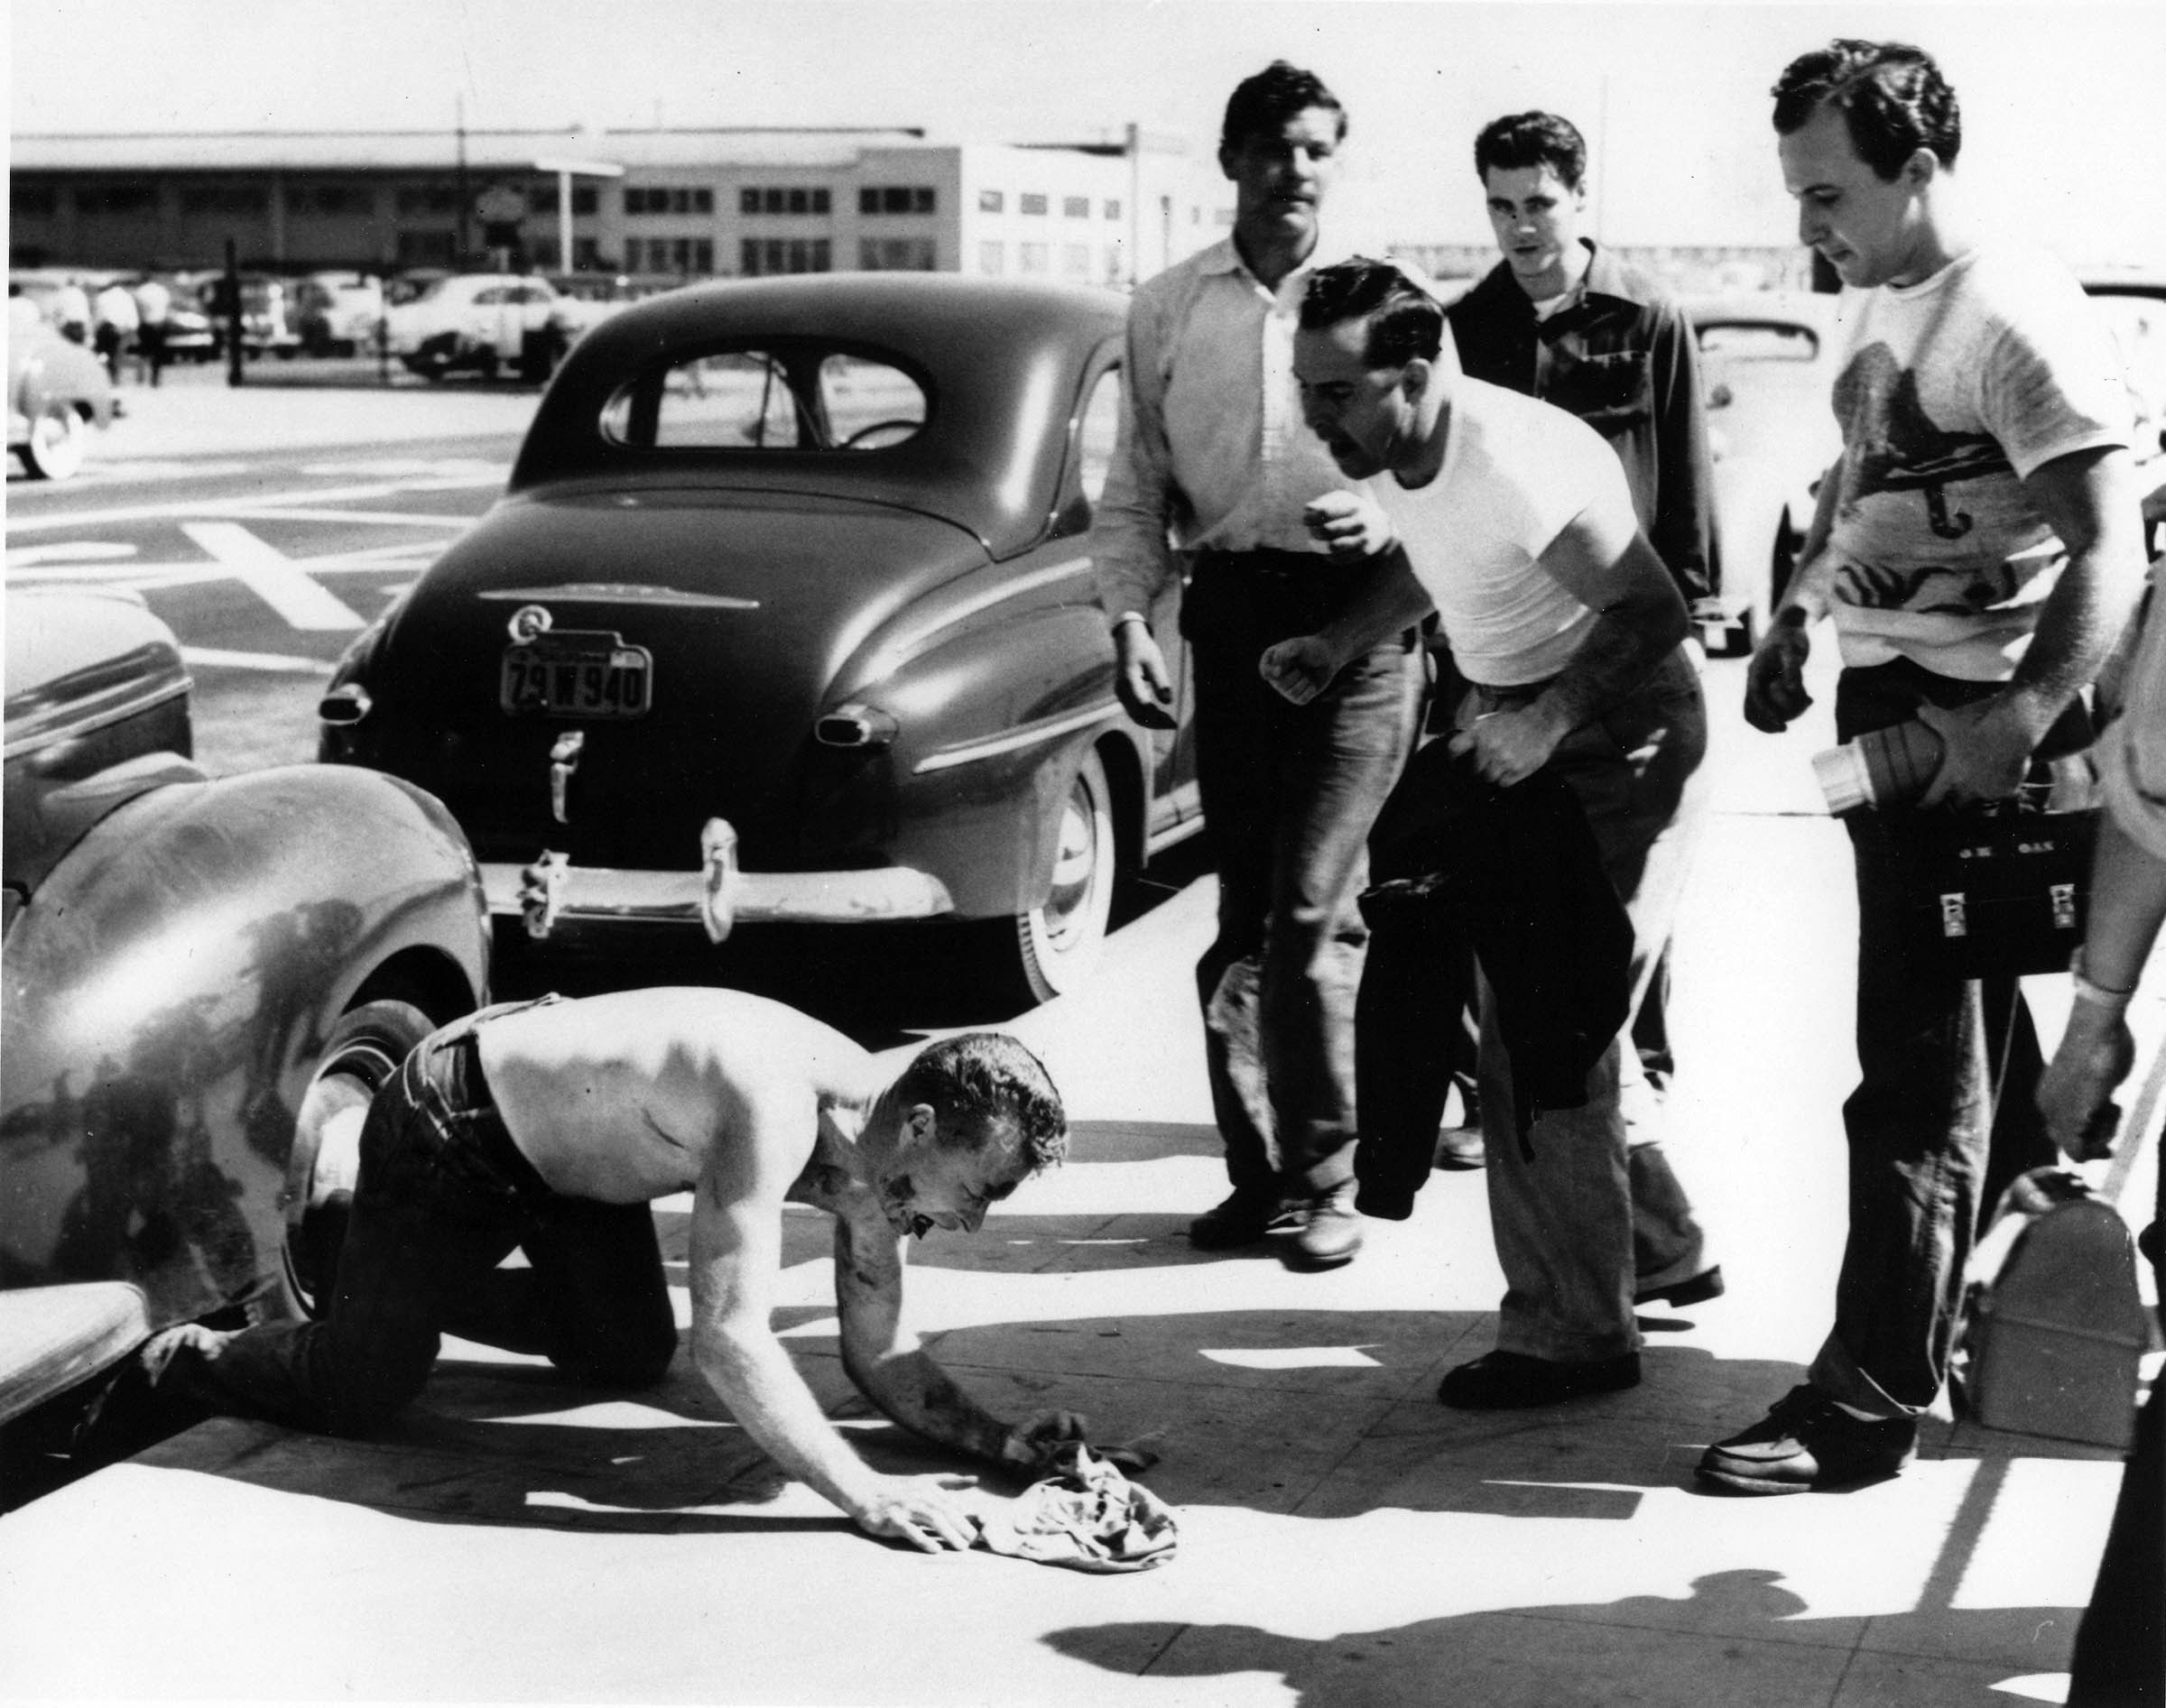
1977,544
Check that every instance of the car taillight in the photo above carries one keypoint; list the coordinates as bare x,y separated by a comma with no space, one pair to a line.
855,725
347,703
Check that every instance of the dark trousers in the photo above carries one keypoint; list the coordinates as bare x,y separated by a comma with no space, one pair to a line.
1289,793
1946,1101
443,1197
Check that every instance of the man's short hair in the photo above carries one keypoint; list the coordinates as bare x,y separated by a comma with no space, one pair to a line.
1405,320
1890,95
1263,104
985,1089
1532,138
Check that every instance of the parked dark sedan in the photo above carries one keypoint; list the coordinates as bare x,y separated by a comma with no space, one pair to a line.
787,616
201,985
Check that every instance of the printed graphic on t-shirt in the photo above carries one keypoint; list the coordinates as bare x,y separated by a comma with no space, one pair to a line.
1896,447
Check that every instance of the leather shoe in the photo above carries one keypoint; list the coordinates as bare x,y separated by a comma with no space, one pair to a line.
1501,1380
1461,1148
1329,1235
1243,1219
1694,1290
1807,1441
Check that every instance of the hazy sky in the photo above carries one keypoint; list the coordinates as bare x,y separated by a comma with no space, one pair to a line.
2065,119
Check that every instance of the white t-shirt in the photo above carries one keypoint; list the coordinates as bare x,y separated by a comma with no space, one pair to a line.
1516,471
1952,390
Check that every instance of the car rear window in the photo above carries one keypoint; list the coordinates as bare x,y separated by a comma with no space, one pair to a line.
783,397
1760,341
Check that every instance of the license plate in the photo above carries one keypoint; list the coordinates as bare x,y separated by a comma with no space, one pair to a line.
577,676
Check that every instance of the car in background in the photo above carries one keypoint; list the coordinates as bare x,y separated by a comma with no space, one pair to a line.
204,982
1767,366
480,322
2133,305
266,315
336,313
57,393
788,616
585,299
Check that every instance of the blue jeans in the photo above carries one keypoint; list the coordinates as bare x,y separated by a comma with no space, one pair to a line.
1289,794
1925,1127
443,1198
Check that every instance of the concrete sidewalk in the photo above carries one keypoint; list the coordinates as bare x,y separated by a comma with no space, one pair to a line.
1345,1540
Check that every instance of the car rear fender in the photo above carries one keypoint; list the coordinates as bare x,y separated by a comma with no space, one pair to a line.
168,990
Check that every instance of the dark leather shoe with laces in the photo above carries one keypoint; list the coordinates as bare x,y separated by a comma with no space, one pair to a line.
1329,1235
1241,1220
1501,1380
1807,1441
1461,1148
1694,1290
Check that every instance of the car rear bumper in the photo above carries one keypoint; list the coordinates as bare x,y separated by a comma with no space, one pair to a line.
549,891
53,1337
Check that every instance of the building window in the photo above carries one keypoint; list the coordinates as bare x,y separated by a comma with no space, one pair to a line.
332,199
425,249
669,255
1076,207
992,201
896,255
992,259
1113,210
124,199
1031,257
1030,204
895,199
583,200
675,199
427,199
31,201
1075,260
759,256
587,254
223,198
778,199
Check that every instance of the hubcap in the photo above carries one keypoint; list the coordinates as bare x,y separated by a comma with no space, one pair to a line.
1075,873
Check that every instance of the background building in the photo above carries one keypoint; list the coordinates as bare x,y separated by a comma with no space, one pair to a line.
693,202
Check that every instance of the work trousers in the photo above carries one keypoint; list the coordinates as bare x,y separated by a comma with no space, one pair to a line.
1929,1137
443,1197
1289,794
1586,1218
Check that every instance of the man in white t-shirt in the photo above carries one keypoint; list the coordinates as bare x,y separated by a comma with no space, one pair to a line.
1978,545
1513,524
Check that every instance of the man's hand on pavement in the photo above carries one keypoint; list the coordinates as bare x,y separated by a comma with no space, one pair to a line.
1141,680
1299,669
1987,749
1347,524
1035,1443
1509,747
1775,681
2075,1093
921,1511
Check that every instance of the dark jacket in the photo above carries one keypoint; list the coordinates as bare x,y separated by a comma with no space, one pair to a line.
1623,359
1516,873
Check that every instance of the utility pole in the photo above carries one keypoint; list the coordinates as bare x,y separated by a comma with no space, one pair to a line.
229,292
1135,204
460,110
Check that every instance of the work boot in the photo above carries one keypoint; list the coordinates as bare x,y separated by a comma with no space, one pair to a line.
1331,1232
1503,1381
1243,1219
1807,1441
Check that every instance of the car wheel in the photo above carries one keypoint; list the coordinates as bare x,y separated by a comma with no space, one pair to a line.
1053,948
58,442
362,1052
485,362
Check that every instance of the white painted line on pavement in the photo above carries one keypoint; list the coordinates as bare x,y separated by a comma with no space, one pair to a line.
272,576
395,518
218,657
244,504
72,552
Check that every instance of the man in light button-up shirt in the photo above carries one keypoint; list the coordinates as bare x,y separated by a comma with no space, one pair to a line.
1213,471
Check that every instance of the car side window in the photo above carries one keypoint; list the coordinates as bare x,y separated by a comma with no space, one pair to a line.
1101,424
791,398
489,297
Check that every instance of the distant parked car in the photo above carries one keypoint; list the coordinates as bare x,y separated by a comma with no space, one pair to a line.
1767,366
480,322
336,313
57,392
204,980
787,616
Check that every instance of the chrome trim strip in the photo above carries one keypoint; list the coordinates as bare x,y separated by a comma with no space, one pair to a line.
623,592
909,642
1026,735
76,721
677,897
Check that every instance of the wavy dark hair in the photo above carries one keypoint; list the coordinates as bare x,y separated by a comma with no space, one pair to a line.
1532,138
1405,320
983,1086
1890,95
1261,104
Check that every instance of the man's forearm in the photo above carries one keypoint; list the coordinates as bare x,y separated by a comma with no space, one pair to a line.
1620,652
914,1391
1386,600
2075,629
755,1380
2127,906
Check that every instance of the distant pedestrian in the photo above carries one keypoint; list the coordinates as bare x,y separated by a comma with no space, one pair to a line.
117,322
1977,544
71,312
154,310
